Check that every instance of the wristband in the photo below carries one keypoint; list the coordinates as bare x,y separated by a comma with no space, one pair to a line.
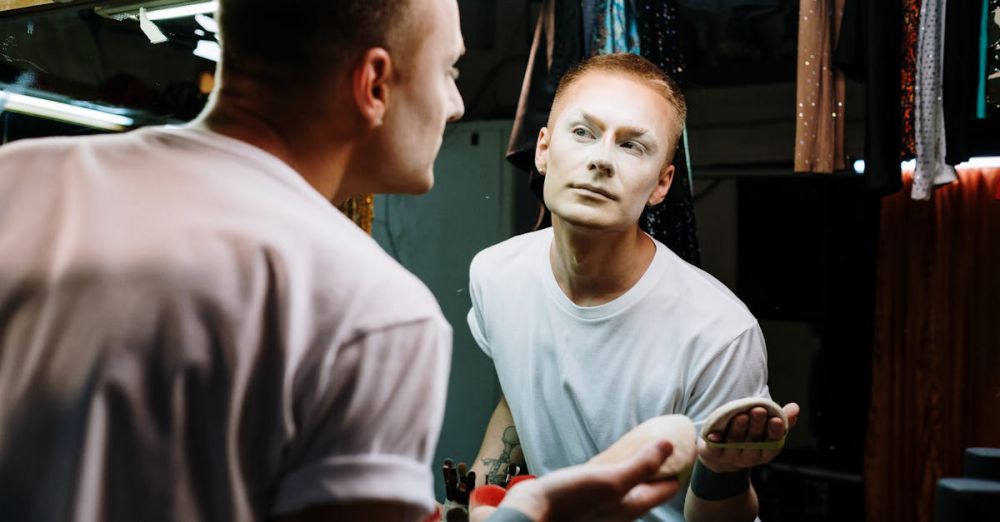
709,485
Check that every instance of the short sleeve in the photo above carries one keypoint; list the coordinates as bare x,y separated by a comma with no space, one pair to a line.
475,317
737,371
370,429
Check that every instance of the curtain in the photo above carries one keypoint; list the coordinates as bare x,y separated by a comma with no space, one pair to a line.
936,351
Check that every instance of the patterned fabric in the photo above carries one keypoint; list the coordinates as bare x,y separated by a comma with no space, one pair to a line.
931,169
616,30
911,31
819,92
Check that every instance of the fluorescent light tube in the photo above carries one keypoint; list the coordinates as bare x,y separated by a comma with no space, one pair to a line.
182,10
33,106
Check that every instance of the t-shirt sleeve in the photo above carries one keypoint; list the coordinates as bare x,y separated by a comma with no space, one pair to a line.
371,415
475,317
737,371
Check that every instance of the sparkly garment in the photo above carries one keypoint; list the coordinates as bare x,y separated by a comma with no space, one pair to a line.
819,93
672,222
911,30
931,169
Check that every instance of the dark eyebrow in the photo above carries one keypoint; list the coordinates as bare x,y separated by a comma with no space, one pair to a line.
631,132
624,132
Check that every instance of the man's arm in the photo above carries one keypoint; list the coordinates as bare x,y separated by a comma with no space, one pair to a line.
720,487
501,447
607,492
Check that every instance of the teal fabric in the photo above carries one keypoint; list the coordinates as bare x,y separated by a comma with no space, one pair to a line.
984,48
617,30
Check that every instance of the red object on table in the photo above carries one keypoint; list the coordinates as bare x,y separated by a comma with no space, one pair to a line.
488,495
518,479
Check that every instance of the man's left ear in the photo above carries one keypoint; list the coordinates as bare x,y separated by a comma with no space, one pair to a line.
662,186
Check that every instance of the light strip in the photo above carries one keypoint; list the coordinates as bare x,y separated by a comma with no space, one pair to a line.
33,106
182,11
981,162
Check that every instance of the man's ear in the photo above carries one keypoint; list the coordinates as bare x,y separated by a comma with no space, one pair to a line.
662,186
370,85
542,150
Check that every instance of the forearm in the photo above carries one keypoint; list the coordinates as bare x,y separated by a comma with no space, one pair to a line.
500,448
728,497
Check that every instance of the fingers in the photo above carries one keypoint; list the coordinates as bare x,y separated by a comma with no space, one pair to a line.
738,428
758,421
792,412
644,497
642,466
775,428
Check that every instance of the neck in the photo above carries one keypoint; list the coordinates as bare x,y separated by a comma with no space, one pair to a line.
594,267
309,148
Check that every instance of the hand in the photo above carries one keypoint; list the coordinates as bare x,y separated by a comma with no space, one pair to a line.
750,426
605,492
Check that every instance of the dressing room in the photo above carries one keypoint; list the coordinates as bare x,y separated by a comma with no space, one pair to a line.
500,260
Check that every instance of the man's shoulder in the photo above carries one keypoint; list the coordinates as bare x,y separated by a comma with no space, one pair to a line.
705,297
513,254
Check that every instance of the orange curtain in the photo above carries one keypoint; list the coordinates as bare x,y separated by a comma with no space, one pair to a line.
936,352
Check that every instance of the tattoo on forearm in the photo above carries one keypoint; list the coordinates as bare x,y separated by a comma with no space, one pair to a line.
499,466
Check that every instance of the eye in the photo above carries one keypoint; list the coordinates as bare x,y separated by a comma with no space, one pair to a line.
632,146
582,132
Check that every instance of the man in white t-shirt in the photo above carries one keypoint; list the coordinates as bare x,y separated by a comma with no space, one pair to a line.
594,326
189,330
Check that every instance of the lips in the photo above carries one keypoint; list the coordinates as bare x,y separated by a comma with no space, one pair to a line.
596,190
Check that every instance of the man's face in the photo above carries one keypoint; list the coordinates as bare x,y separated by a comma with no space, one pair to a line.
604,157
423,100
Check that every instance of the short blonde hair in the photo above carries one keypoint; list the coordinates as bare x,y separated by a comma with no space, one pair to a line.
634,66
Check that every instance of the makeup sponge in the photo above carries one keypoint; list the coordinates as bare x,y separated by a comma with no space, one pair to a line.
719,421
677,429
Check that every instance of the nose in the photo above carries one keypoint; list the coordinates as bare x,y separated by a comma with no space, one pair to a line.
457,105
600,166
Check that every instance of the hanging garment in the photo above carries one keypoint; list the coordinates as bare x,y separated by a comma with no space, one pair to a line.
983,58
672,222
616,28
960,75
559,44
819,126
911,31
931,169
993,56
869,50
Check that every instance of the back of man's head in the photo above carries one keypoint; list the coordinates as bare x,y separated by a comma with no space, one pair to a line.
290,42
632,66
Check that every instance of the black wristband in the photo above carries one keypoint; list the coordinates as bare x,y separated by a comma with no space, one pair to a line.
709,485
505,514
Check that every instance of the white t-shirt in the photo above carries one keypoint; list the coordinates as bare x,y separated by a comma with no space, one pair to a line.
189,331
578,378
